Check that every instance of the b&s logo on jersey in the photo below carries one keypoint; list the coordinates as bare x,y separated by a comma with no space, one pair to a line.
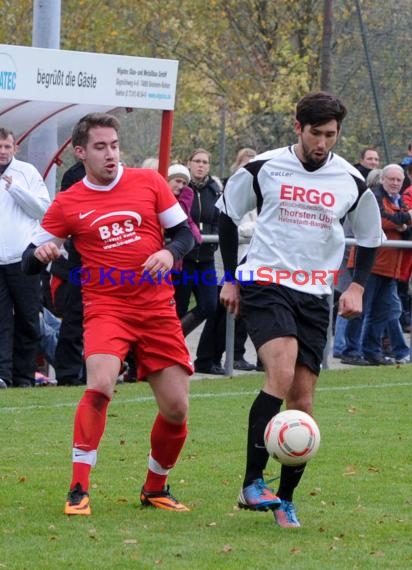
8,74
119,232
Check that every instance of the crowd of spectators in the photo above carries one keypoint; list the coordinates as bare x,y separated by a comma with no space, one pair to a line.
39,328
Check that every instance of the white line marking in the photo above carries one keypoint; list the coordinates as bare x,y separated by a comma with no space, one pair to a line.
141,399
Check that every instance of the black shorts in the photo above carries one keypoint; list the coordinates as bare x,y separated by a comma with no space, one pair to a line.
273,311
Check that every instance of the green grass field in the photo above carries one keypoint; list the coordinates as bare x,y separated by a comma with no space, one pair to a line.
354,501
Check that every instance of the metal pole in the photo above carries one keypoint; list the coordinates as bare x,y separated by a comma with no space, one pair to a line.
46,34
373,83
329,340
222,141
230,343
46,23
165,142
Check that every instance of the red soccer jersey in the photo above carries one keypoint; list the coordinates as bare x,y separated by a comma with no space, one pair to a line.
115,229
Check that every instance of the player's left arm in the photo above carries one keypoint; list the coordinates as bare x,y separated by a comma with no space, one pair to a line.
350,302
366,223
174,221
181,243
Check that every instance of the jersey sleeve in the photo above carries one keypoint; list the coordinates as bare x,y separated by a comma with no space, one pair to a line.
365,220
169,211
239,196
55,222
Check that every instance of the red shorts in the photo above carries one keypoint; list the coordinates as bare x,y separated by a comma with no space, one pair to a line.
156,339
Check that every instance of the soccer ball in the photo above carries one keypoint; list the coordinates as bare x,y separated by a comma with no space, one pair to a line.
292,437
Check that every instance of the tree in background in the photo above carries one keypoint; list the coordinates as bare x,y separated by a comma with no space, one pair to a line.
249,61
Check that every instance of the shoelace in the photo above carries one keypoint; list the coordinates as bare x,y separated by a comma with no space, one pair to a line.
290,511
274,479
263,486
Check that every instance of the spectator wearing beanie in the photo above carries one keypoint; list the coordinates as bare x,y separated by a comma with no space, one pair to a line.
178,177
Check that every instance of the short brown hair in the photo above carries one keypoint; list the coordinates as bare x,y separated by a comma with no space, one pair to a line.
80,135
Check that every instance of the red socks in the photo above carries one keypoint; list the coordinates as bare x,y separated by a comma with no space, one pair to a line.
167,440
89,425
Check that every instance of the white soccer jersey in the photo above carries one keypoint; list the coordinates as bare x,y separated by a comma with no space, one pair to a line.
298,239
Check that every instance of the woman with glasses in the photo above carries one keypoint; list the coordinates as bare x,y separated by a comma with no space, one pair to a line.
198,276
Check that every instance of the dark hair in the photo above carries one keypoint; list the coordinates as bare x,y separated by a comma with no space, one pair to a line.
5,133
365,150
319,108
80,135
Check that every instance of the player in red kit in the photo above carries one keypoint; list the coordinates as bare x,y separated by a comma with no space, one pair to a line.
117,218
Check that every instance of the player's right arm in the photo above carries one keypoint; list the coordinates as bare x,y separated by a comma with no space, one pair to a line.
45,248
46,241
237,199
228,241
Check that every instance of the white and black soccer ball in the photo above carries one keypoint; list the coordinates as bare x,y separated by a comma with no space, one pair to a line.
292,437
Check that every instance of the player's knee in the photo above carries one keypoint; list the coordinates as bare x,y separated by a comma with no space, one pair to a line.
279,379
103,384
176,412
302,403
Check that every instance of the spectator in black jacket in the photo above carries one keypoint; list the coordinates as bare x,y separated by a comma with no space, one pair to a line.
69,350
369,159
198,275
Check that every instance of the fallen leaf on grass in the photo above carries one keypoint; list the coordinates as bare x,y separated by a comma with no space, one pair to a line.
377,553
295,550
121,500
227,548
350,470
